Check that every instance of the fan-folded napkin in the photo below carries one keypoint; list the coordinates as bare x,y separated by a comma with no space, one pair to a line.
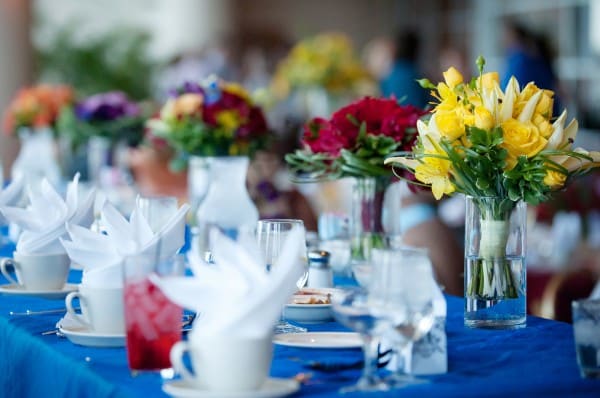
10,196
236,296
43,220
101,254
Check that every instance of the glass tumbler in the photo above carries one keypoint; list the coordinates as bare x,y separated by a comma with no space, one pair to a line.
586,327
152,321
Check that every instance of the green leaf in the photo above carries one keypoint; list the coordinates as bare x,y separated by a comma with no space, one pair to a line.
426,83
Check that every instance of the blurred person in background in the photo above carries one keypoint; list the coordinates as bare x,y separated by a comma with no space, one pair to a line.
404,73
529,58
271,190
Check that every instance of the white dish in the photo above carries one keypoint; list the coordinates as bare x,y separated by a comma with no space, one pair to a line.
83,336
14,290
272,388
319,340
297,310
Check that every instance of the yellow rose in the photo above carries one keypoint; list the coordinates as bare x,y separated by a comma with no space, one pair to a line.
490,80
554,179
521,139
230,120
527,92
453,77
544,105
483,118
450,124
543,125
188,104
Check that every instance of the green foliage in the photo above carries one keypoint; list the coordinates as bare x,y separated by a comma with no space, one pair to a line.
365,159
117,61
128,129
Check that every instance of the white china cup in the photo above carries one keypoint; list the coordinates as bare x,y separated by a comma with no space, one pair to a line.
101,309
41,271
225,364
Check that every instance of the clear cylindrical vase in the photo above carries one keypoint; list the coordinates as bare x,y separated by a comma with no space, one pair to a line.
366,228
495,271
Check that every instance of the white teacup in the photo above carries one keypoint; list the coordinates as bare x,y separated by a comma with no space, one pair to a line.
225,364
101,309
42,271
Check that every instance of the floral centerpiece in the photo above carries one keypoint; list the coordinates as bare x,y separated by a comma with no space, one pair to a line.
501,148
111,115
32,115
323,68
354,143
36,107
217,127
217,118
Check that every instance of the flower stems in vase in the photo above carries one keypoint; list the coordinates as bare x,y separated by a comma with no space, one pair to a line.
494,262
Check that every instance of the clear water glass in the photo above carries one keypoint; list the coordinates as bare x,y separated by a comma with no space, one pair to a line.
353,308
402,289
586,328
157,210
271,235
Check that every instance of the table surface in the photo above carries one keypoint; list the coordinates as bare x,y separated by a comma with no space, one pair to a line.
538,360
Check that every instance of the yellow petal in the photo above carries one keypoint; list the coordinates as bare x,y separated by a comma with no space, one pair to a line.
453,77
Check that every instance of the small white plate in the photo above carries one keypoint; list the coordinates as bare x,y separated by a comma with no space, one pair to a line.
84,336
297,310
272,388
319,340
14,290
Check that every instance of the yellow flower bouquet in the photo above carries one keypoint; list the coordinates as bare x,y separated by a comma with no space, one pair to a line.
327,60
501,148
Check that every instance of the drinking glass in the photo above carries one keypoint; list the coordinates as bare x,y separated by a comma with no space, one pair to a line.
157,210
271,235
402,289
353,308
586,328
152,321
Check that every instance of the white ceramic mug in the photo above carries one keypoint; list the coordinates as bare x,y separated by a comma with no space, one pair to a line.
101,309
225,364
42,271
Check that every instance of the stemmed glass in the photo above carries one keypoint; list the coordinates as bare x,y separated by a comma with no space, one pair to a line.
271,235
353,308
402,289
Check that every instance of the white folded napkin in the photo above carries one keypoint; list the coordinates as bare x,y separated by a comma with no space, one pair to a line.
236,295
98,252
43,221
10,196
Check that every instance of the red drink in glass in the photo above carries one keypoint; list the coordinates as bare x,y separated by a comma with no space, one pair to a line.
153,325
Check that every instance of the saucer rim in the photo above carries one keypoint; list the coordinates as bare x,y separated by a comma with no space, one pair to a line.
280,339
17,290
82,331
184,389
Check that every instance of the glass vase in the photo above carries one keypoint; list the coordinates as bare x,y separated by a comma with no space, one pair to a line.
37,158
366,228
495,271
227,204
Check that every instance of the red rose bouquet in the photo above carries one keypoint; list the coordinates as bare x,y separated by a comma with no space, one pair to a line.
355,140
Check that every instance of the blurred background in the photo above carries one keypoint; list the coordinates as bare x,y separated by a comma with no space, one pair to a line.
146,47
134,45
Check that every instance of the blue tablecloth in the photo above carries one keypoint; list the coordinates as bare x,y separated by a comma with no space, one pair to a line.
538,360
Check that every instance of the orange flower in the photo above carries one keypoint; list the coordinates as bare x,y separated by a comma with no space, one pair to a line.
36,106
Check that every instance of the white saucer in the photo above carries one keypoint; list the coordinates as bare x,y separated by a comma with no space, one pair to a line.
15,290
83,336
272,388
319,340
308,313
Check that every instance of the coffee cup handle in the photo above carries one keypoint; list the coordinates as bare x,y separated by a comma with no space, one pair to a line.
69,303
176,357
3,264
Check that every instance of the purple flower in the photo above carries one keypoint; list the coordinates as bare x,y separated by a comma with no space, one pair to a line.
106,106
